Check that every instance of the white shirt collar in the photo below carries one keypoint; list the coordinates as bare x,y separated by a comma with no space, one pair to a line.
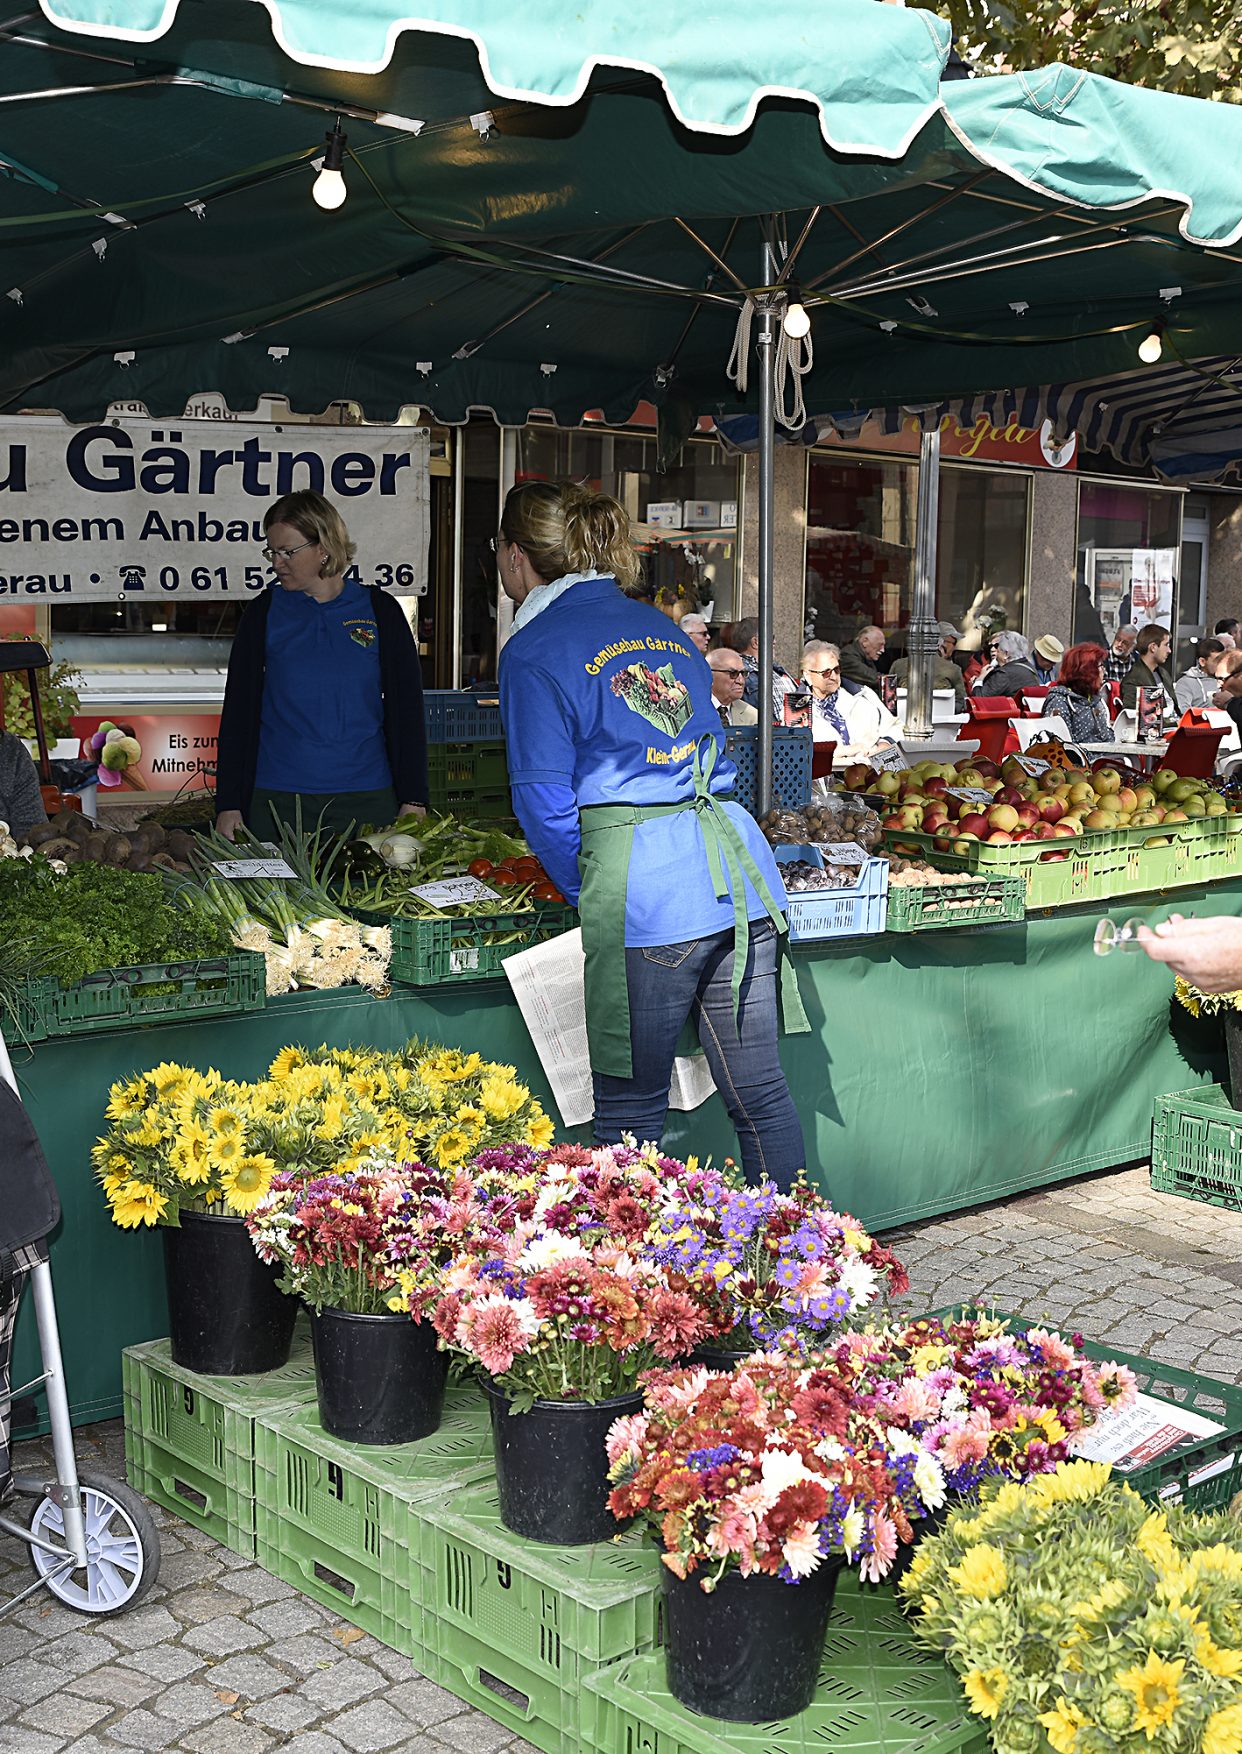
543,596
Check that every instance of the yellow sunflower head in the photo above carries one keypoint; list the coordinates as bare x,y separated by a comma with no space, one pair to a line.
1155,1690
138,1203
246,1181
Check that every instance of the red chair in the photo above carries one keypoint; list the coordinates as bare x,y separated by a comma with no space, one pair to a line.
1114,697
987,720
821,760
1192,751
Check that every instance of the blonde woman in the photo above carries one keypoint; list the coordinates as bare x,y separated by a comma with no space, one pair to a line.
324,698
618,777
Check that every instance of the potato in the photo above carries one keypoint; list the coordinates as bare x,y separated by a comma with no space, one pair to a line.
117,850
42,831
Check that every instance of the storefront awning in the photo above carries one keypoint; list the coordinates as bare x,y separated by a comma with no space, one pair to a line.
554,215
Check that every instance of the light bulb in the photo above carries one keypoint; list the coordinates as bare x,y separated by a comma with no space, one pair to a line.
797,319
328,189
1151,347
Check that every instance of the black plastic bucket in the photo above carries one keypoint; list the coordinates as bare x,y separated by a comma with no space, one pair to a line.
717,1356
378,1378
552,1467
749,1651
225,1315
1233,1048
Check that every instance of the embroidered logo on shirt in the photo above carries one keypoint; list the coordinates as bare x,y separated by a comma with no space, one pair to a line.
363,633
656,695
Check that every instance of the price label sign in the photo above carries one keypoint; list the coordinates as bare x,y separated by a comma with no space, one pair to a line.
1032,764
252,868
453,891
889,758
844,852
969,794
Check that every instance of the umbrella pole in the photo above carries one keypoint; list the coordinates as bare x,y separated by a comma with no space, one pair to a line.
923,633
766,346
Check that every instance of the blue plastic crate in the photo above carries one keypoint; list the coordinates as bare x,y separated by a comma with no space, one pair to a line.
791,765
457,715
837,913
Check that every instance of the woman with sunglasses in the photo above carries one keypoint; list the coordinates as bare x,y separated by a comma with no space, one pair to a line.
619,780
323,705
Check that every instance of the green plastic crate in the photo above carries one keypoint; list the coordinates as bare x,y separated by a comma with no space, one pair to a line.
192,1437
879,1693
994,901
118,998
466,767
1196,1147
1095,868
375,1594
1201,1473
427,953
510,1620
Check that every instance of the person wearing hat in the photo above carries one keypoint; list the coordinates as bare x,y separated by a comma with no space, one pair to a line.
945,673
1046,654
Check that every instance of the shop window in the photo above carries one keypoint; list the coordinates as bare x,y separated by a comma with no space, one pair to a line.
685,520
1128,560
860,547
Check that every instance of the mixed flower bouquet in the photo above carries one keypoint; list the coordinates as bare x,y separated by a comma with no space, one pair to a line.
1083,1620
364,1241
982,1400
773,1268
549,1291
765,1469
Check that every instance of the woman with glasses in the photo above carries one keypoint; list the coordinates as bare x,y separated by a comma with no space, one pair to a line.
619,781
855,721
324,700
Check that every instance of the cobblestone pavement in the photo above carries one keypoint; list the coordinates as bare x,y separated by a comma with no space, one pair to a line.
223,1659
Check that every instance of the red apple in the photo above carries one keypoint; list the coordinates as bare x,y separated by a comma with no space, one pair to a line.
973,822
1028,815
935,788
1000,837
1051,809
1053,858
1066,830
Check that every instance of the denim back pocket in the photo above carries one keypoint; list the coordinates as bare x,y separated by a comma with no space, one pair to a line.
669,955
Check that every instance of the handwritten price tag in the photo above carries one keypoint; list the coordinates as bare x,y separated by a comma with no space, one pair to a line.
252,868
844,852
453,891
890,758
1033,765
969,794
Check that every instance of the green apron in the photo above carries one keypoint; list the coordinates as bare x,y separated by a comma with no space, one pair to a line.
607,843
335,811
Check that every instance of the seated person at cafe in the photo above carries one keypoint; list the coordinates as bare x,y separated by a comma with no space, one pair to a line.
860,657
728,681
1150,667
945,673
1199,685
1012,669
855,722
1079,697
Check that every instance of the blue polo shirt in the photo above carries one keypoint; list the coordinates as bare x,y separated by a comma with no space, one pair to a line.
321,728
605,702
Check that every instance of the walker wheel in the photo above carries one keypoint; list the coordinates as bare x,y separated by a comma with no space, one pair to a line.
122,1545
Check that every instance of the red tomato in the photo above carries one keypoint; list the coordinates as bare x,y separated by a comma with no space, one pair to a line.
547,892
480,867
505,879
528,867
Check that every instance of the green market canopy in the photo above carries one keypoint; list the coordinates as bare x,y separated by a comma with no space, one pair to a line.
566,210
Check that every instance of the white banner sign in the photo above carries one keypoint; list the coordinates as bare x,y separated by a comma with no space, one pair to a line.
151,512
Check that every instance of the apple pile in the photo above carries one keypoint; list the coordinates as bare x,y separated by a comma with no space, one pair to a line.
1060,804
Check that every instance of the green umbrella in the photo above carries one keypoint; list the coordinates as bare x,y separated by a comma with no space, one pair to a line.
575,211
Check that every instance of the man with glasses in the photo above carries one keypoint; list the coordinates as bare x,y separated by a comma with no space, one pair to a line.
728,683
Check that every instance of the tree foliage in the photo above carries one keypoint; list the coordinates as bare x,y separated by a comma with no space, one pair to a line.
1188,46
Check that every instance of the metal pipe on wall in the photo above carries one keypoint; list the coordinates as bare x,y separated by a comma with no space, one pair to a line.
766,347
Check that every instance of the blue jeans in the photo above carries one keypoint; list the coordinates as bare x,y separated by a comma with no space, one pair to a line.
669,982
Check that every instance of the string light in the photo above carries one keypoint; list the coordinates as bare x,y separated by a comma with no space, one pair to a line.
1151,347
797,319
329,189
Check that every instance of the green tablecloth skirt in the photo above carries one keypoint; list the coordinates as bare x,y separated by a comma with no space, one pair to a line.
943,1069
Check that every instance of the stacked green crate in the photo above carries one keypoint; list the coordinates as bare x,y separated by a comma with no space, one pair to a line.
1196,1147
334,1519
515,1627
190,1439
879,1693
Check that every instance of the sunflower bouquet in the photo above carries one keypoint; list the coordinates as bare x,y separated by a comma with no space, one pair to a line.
184,1140
1083,1621
451,1104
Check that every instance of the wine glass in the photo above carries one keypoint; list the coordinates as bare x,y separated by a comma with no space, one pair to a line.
1110,937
